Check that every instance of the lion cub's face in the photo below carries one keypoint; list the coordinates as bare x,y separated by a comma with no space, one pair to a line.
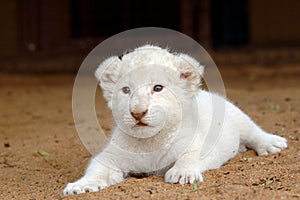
147,100
148,88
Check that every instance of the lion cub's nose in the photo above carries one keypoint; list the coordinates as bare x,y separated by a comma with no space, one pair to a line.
139,116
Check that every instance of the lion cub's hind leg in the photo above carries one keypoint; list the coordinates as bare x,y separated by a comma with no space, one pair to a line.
265,143
252,136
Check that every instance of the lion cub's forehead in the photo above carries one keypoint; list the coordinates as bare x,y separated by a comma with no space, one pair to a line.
151,74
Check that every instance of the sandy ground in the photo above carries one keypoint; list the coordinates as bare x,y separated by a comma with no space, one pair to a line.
40,151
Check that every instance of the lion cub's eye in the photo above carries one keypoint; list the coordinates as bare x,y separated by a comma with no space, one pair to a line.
126,90
158,88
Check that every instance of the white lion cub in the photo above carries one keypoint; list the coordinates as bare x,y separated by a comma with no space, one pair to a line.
165,124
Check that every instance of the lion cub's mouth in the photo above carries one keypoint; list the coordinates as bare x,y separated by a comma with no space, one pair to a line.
141,124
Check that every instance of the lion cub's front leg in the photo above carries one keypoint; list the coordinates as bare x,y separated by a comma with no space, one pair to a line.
185,170
97,177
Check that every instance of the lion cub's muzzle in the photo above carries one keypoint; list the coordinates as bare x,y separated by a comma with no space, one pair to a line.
138,117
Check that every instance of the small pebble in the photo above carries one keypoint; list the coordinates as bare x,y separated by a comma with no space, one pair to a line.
6,144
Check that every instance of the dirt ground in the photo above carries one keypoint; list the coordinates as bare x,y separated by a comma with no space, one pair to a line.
40,151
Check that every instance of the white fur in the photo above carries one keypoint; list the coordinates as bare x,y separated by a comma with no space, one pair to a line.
178,118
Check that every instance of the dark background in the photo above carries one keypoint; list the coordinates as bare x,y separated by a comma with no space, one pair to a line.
55,35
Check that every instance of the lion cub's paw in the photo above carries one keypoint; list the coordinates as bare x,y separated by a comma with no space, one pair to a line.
84,185
183,175
271,144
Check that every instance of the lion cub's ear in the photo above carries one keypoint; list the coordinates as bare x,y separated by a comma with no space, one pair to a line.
108,74
191,71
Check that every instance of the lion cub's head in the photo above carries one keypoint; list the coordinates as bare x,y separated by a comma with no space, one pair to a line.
148,89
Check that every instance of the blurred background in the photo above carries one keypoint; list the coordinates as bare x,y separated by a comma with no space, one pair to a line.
42,36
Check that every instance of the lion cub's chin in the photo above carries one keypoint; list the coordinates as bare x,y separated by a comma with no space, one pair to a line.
142,131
